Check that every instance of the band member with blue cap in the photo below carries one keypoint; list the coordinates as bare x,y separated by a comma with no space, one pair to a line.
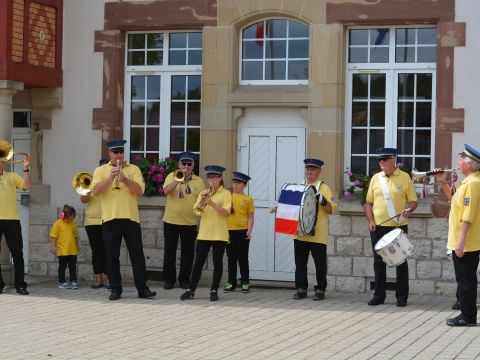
391,198
179,221
464,234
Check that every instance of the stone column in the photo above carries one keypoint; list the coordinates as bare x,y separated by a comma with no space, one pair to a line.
7,90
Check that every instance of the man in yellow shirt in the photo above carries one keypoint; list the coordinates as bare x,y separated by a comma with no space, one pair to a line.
391,198
180,221
118,184
464,235
10,182
316,243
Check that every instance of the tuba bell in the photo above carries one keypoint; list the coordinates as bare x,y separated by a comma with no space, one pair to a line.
81,183
179,175
7,153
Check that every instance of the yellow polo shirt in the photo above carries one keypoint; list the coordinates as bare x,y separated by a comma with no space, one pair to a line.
465,206
242,205
213,226
66,234
93,211
10,182
401,190
179,211
321,226
119,204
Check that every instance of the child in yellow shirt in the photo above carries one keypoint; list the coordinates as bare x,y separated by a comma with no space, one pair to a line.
64,244
240,225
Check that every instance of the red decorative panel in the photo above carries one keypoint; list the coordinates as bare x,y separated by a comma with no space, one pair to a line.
41,35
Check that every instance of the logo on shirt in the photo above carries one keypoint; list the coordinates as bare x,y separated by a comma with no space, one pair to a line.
466,201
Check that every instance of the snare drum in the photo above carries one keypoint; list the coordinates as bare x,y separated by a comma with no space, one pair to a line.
297,210
394,247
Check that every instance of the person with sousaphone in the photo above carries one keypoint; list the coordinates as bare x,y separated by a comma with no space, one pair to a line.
181,188
390,200
10,183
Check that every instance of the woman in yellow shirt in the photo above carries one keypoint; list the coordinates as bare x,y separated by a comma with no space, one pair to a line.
64,244
213,207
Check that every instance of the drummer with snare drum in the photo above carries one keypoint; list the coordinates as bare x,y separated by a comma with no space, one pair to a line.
391,198
317,242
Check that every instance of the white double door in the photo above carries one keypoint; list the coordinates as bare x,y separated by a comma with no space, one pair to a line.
272,157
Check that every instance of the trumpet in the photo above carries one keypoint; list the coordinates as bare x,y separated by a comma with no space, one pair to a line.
116,185
179,176
421,177
7,153
81,183
206,195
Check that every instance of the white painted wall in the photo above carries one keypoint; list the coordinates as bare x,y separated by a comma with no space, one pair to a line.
71,145
467,76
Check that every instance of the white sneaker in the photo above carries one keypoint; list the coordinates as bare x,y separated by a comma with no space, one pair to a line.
74,285
64,285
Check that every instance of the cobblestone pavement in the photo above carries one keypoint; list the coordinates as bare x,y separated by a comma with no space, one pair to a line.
263,324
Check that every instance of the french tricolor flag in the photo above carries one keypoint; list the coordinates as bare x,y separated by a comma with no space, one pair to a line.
288,210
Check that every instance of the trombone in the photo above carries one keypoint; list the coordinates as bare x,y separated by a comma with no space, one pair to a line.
81,183
422,177
7,153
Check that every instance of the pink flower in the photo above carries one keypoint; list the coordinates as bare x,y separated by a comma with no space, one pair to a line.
160,178
153,168
349,173
162,170
347,195
150,172
160,191
137,158
357,183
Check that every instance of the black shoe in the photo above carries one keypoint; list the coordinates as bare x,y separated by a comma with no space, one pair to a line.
168,286
213,295
319,295
97,286
115,295
187,295
147,294
460,321
457,305
376,301
22,291
184,285
300,294
402,302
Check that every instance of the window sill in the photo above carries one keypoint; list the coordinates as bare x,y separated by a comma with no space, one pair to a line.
151,202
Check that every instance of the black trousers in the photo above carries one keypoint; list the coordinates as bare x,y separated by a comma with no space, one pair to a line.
63,261
466,274
113,231
95,238
237,252
319,253
202,250
187,234
13,236
380,268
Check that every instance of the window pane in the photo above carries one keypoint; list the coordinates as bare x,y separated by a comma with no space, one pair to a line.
195,57
377,114
359,113
427,36
153,113
298,49
276,49
379,37
193,114
275,70
153,139
427,54
405,141
194,87
178,57
422,142
297,29
406,163
21,119
178,87
136,58
137,116
153,87
424,86
405,36
252,70
406,86
178,40
138,87
424,114
377,86
405,54
276,29
377,139
373,165
252,50
405,114
177,116
193,139
358,55
358,164
422,164
136,139
254,31
298,70
177,139
195,40
359,141
379,55
358,37
154,57
360,86
136,41
155,41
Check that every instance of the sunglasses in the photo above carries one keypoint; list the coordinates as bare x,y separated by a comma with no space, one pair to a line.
385,159
117,151
187,164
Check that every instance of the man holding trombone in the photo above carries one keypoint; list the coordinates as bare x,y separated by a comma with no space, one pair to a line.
182,188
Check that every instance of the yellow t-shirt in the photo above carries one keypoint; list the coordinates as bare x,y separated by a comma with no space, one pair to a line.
179,211
119,204
213,226
93,211
465,206
242,205
401,190
321,226
66,234
10,182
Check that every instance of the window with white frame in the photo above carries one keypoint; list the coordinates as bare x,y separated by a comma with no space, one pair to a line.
163,93
274,51
390,96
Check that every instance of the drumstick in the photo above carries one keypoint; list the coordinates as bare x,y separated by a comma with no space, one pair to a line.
393,217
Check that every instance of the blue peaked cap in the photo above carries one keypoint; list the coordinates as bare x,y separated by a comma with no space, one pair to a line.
240,176
313,162
214,169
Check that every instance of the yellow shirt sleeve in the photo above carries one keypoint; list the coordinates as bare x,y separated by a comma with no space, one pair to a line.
54,230
327,193
169,179
251,206
18,180
138,178
369,197
411,194
76,230
98,176
227,201
471,201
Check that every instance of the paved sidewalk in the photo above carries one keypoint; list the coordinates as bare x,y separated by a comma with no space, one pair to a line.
264,324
